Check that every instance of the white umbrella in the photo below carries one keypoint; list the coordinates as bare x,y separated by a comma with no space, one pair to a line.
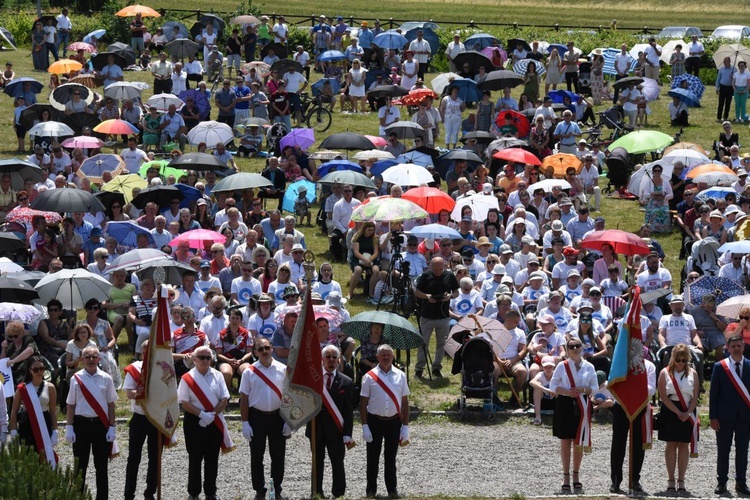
162,102
688,157
668,49
480,205
638,47
136,259
50,129
72,287
407,174
644,173
373,154
716,178
650,89
548,184
211,132
122,91
736,247
442,80
8,266
731,307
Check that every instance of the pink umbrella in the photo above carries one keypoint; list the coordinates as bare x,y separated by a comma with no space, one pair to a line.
83,141
24,215
321,311
86,47
493,52
197,238
378,142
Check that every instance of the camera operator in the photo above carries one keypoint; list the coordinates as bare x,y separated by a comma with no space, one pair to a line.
436,287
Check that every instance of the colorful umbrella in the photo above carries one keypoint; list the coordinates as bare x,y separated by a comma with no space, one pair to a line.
116,127
84,142
317,87
381,166
496,54
76,46
416,157
25,215
480,206
398,332
431,199
13,311
132,10
302,137
87,80
64,66
211,133
689,82
467,89
15,87
416,96
521,67
387,209
335,320
197,238
716,179
623,242
717,192
292,193
164,169
407,174
642,141
721,288
480,41
610,55
377,142
560,162
125,184
94,167
96,34
708,168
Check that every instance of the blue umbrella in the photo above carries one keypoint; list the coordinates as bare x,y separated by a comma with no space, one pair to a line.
97,165
435,232
371,76
467,89
480,41
694,84
686,96
126,233
15,87
521,66
390,40
558,96
337,165
199,99
97,33
715,192
331,55
292,192
415,157
428,35
317,87
191,194
721,288
381,166
561,49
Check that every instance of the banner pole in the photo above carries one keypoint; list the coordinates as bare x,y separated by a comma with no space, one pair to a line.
160,441
630,457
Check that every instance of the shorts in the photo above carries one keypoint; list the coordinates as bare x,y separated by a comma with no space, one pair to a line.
294,102
233,60
713,340
20,131
137,43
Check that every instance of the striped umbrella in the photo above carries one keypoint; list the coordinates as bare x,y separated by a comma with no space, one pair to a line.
609,61
398,332
521,66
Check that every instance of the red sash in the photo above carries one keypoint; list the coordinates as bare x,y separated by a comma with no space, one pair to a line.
226,443
267,380
135,373
42,438
693,420
583,434
100,412
387,389
333,410
736,381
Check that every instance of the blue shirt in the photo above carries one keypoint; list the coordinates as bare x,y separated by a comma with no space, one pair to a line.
724,77
242,92
84,230
109,72
268,231
365,38
567,128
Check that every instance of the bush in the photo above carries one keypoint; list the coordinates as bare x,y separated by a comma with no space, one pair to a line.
25,476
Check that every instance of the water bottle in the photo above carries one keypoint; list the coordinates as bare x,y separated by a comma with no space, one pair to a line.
271,492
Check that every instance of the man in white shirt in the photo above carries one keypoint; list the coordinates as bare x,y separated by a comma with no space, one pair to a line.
679,328
194,70
453,49
179,79
295,83
734,270
245,286
303,58
654,276
51,38
280,31
678,112
695,51
546,112
739,185
622,68
161,235
64,27
61,162
133,157
172,128
422,52
387,115
653,56
342,213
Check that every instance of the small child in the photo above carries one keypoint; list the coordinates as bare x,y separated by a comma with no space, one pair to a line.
603,398
544,398
302,207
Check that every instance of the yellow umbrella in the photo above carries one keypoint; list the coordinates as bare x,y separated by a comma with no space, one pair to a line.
561,162
707,168
742,232
125,184
132,10
64,66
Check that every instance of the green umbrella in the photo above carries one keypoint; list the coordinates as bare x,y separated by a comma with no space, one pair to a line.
163,167
398,332
387,209
241,181
642,141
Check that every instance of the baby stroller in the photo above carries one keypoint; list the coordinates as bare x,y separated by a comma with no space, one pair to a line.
613,118
584,78
704,257
619,169
477,376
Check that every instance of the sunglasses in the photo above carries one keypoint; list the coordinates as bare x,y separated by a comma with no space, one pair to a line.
574,346
681,360
11,337
93,308
263,348
746,318
455,262
91,356
203,358
22,199
37,369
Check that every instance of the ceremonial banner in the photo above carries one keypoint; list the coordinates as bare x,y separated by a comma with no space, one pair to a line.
157,390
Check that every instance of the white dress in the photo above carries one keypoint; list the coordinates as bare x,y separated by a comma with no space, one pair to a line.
357,87
408,82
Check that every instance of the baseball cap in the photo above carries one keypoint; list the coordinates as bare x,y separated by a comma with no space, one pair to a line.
599,219
585,304
201,201
527,240
557,225
505,249
205,263
565,202
573,272
570,251
536,275
548,361
589,282
546,319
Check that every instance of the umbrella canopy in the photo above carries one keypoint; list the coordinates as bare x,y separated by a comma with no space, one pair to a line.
211,132
10,242
390,40
15,290
167,269
347,177
109,197
337,165
475,60
610,55
372,154
101,60
116,127
302,137
650,89
283,65
707,168
500,79
26,215
33,114
558,96
560,162
181,48
387,209
435,232
623,83
73,287
443,80
201,102
94,36
731,307
382,91
161,195
480,136
686,145
642,141
416,96
132,10
407,174
331,55
15,87
520,121
122,91
716,178
691,83
736,52
717,192
431,199
416,156
547,184
522,66
317,87
261,67
87,80
245,19
50,129
518,155
168,29
669,48
467,89
689,158
197,238
76,46
292,193
64,66
94,167
497,54
25,313
479,41
214,19
427,34
162,102
348,141
67,200
685,96
376,141
504,143
381,166
513,43
125,184
78,121
241,181
406,130
19,171
126,233
736,247
136,259
721,288
495,333
327,155
480,206
398,332
623,242
445,161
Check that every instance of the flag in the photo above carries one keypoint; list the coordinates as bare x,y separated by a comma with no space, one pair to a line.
303,385
157,390
628,380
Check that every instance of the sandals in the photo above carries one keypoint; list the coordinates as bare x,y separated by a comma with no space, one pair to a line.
566,485
576,484
670,486
537,421
681,486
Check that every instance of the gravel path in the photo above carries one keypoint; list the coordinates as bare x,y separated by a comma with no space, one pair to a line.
445,458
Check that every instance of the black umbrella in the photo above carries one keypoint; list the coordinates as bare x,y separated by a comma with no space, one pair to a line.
109,197
475,60
9,242
278,49
33,114
64,93
382,91
8,36
481,136
500,79
161,195
78,121
219,24
197,161
45,20
181,48
283,65
14,290
101,59
67,200
513,44
19,171
623,83
168,29
445,161
406,130
123,50
347,140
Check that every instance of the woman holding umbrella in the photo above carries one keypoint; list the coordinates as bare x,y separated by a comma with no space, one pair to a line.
655,197
39,54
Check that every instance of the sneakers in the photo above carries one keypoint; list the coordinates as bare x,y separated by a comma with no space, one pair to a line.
436,373
418,373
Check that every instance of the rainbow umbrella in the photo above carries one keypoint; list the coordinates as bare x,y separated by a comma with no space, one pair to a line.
387,209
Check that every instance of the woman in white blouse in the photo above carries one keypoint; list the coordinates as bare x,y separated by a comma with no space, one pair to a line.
573,381
675,420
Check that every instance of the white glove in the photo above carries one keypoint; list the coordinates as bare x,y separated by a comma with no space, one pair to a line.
247,431
347,439
366,434
70,435
111,434
404,437
206,418
54,438
286,430
13,434
3,437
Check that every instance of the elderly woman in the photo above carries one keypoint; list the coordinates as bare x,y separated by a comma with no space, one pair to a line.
104,338
284,254
235,223
235,350
18,348
185,341
120,296
100,265
53,333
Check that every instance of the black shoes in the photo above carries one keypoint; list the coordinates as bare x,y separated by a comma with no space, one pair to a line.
721,488
742,489
615,488
418,373
436,373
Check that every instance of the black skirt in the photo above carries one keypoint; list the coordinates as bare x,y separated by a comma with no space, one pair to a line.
566,418
671,428
26,434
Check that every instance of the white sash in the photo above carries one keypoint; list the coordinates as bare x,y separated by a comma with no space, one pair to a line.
181,347
200,382
333,410
36,419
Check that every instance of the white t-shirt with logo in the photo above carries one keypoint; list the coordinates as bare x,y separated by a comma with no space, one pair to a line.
677,328
466,303
648,281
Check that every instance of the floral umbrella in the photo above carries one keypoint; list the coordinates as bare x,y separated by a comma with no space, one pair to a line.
388,209
416,96
321,311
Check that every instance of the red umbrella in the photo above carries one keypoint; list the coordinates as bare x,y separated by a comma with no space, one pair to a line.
623,242
24,215
431,199
415,97
517,119
517,155
197,238
378,142
116,127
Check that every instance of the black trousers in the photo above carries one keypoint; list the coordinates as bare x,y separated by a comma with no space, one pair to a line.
740,430
681,120
203,445
338,245
91,438
571,81
422,69
140,429
195,77
693,65
228,119
388,430
333,442
162,86
617,89
620,429
266,427
725,102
